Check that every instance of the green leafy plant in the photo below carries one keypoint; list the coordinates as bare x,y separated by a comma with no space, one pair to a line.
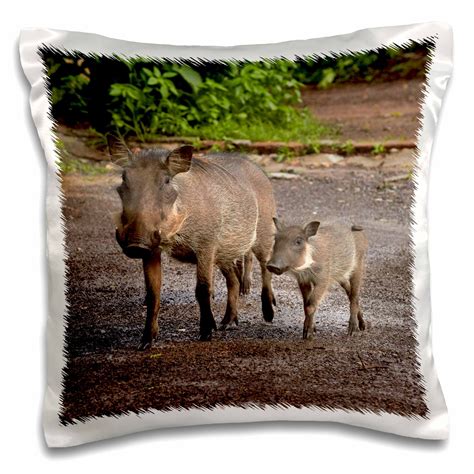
313,148
68,165
378,149
150,103
347,148
284,154
68,90
257,101
222,101
381,64
216,148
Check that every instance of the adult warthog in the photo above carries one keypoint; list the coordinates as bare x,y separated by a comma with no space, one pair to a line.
210,211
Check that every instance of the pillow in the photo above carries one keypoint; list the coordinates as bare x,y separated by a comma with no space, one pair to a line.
238,234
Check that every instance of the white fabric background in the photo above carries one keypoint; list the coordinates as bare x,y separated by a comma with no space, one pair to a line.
277,448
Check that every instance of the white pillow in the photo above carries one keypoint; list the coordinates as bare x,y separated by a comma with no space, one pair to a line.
100,386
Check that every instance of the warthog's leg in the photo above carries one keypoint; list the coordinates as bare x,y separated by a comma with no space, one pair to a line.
268,299
312,296
352,287
233,286
262,253
262,250
360,317
243,270
152,271
204,286
360,270
246,281
239,270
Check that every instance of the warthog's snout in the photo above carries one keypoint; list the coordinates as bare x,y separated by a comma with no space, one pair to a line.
136,245
137,250
276,268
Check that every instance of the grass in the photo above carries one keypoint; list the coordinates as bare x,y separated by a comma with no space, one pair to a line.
284,154
303,128
69,165
82,166
348,148
378,149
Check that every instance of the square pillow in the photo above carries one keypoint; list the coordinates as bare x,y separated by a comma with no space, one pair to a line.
238,234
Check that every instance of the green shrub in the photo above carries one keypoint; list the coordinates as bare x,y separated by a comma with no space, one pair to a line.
248,100
381,64
245,101
251,100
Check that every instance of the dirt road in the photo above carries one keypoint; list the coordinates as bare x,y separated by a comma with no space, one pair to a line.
256,363
373,111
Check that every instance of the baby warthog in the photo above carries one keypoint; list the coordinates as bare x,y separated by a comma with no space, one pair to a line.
210,211
319,256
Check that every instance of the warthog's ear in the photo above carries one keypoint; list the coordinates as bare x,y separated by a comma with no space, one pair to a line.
179,160
278,224
118,151
311,229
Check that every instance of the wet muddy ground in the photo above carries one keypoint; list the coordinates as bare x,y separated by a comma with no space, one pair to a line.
257,362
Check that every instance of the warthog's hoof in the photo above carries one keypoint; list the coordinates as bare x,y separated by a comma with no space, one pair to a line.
145,345
225,326
207,336
353,327
268,301
267,310
245,286
227,321
362,325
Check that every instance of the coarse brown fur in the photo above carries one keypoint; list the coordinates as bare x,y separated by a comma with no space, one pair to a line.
319,256
211,211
